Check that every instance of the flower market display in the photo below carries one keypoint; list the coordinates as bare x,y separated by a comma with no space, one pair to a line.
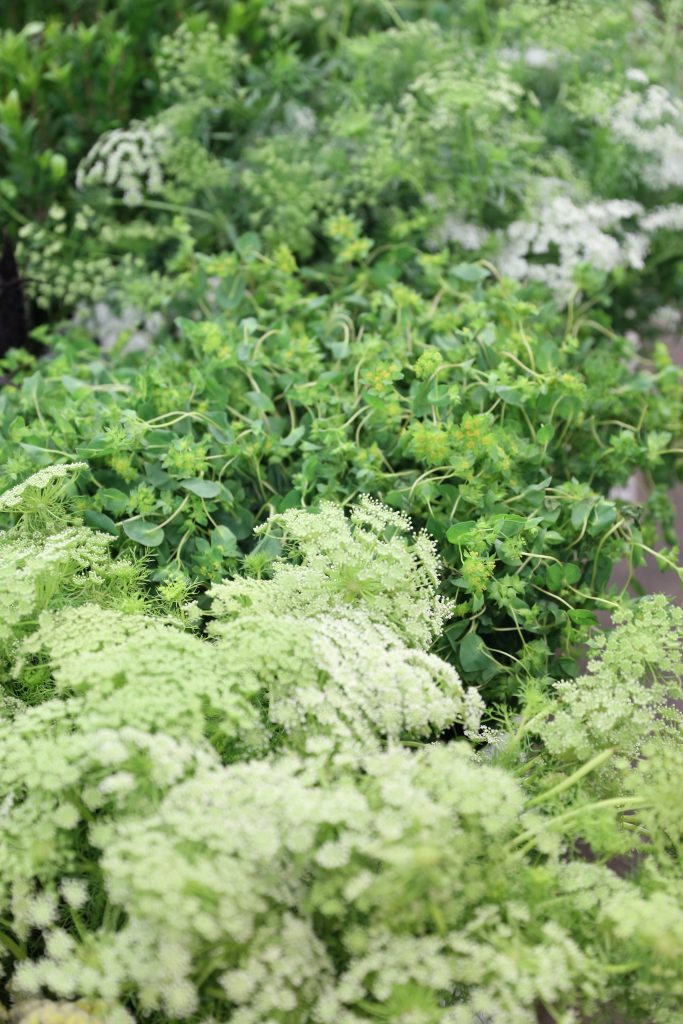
340,411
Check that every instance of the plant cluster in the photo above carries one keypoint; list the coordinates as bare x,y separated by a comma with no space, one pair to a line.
197,827
517,131
501,425
352,337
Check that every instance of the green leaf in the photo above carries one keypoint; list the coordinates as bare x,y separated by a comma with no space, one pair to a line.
581,511
293,437
469,272
113,500
473,654
511,396
225,541
292,499
397,499
461,533
143,532
572,573
582,617
248,243
202,488
603,516
100,521
554,575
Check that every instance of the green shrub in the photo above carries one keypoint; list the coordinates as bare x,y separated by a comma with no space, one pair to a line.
492,420
520,131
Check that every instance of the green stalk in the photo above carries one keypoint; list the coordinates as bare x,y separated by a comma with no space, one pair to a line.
567,783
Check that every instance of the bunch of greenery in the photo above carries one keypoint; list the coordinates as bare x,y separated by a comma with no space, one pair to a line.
335,272
368,872
500,424
518,131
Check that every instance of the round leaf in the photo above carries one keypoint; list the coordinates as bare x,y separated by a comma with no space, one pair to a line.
202,488
143,532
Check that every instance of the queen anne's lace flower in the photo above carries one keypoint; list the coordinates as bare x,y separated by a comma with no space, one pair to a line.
164,848
82,1012
563,234
14,498
367,560
128,160
651,121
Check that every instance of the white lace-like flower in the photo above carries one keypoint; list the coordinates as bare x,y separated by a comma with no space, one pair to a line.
652,122
564,235
129,160
664,218
132,326
467,235
39,481
667,318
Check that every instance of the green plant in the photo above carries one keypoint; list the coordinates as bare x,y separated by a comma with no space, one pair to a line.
497,422
517,131
434,884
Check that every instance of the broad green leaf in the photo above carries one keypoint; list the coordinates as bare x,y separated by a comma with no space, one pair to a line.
143,532
100,521
555,576
293,437
461,533
113,500
224,540
473,654
202,488
572,573
469,272
510,395
291,500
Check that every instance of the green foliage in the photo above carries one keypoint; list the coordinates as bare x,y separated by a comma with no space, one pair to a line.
153,869
334,271
484,416
519,131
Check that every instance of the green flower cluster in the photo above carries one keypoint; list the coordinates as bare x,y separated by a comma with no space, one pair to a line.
253,827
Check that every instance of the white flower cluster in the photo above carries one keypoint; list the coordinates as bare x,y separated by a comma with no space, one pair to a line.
344,680
32,572
157,854
469,236
664,218
129,160
667,319
651,121
366,560
535,57
565,234
131,328
42,1011
383,847
133,668
17,496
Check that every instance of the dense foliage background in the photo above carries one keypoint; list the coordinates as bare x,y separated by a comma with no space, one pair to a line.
275,258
